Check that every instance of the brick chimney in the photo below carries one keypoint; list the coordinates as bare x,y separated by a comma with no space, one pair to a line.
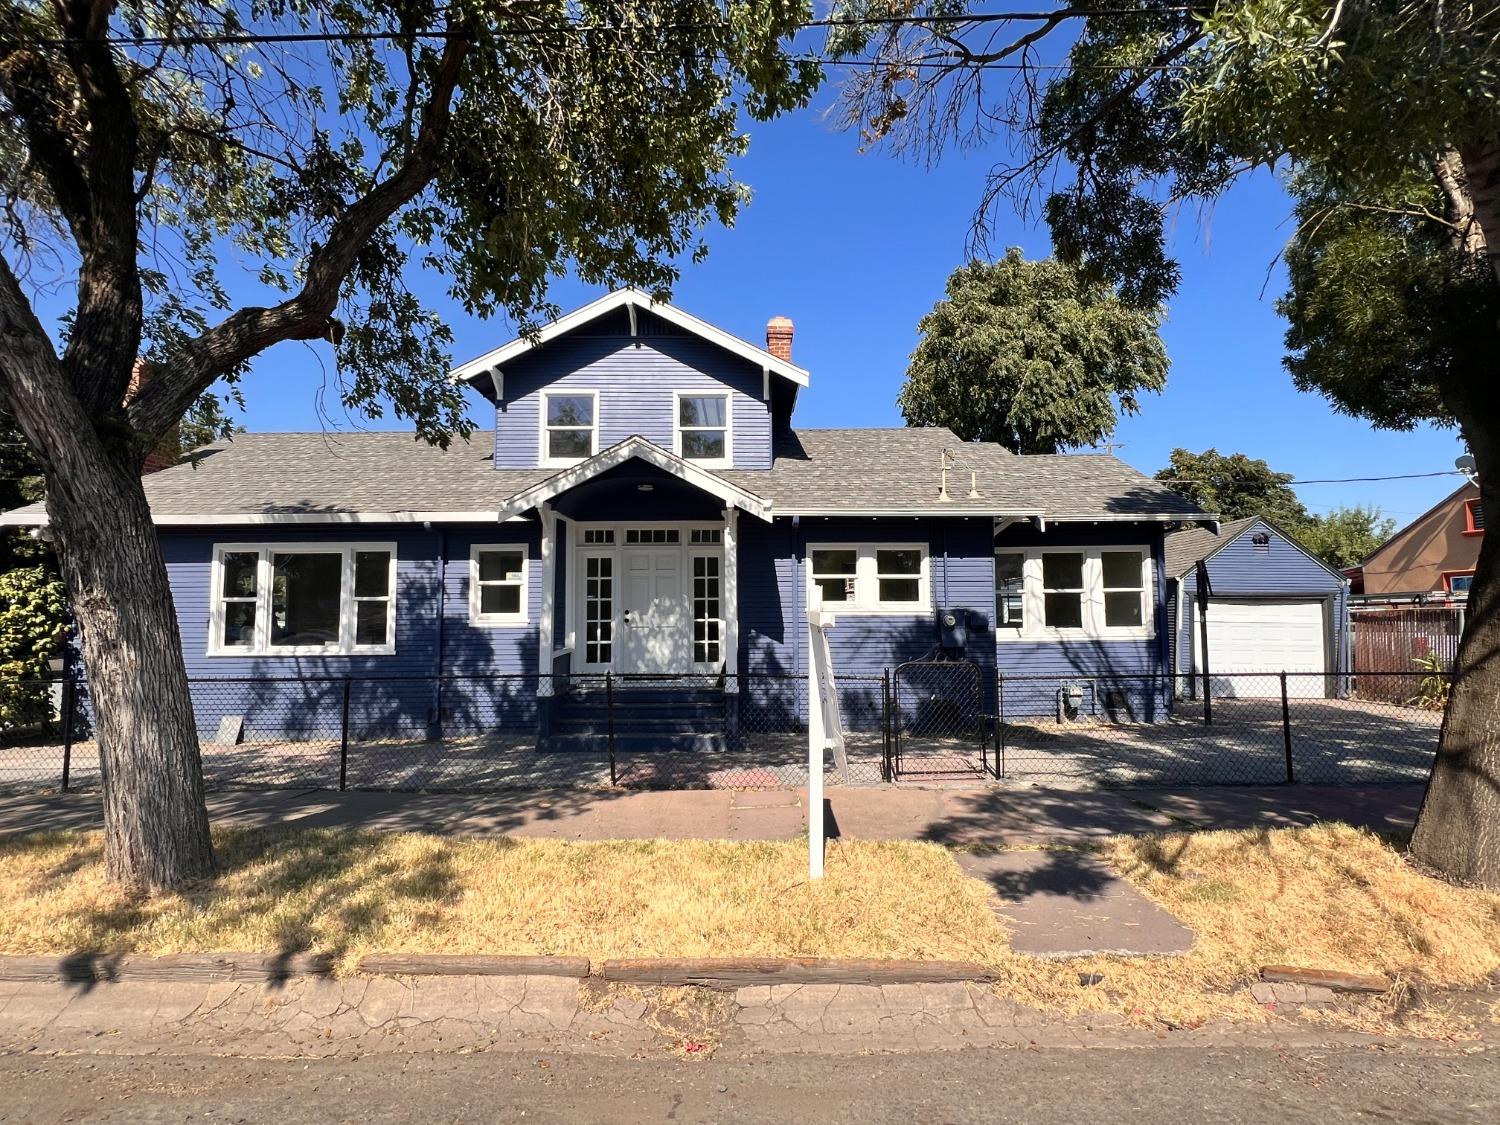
167,450
779,338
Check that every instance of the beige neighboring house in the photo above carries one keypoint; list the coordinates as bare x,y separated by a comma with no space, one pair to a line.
1432,559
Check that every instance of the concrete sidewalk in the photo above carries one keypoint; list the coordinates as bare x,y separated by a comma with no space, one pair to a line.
951,816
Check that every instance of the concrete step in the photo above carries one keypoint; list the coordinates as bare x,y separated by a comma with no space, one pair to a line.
636,742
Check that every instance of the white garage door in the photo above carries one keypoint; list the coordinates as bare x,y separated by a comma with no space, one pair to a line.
1264,636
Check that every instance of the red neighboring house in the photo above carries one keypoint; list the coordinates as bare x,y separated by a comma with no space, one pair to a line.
1430,560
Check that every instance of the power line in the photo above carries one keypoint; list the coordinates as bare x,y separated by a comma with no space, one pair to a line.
243,39
1328,480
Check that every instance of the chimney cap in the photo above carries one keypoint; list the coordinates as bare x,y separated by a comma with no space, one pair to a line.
779,322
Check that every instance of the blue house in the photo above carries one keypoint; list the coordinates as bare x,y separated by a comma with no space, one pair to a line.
645,505
1272,607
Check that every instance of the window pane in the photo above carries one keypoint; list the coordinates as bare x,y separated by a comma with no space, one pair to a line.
239,574
305,598
370,622
904,561
372,574
1122,570
703,410
1122,608
570,410
239,624
899,589
1063,611
500,599
837,589
499,566
1062,572
1009,579
702,445
569,443
834,562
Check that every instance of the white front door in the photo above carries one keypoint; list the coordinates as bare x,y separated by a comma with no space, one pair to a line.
654,627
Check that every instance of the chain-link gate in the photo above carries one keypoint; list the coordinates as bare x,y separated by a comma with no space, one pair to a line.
942,729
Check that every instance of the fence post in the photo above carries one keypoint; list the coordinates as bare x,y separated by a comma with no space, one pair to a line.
885,725
67,721
1286,730
999,727
609,721
344,740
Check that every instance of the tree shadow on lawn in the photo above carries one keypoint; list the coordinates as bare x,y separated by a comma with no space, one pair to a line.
280,893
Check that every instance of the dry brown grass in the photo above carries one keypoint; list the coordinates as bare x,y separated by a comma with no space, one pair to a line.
1328,897
1325,897
351,893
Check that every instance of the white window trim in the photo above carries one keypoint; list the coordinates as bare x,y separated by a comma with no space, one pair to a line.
478,616
1033,604
544,459
867,582
724,462
262,646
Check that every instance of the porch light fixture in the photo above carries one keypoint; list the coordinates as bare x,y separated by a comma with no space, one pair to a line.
644,487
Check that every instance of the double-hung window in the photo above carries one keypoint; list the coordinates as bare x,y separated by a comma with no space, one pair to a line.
702,428
1073,592
497,585
570,426
873,578
294,599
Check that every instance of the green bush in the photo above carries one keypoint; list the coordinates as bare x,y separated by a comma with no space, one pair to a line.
34,624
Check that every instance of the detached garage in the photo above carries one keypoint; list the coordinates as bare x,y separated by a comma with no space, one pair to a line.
1272,606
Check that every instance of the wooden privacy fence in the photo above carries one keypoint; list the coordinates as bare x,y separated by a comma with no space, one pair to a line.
1390,639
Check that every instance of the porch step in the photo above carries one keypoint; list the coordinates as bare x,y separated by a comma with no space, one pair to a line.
569,723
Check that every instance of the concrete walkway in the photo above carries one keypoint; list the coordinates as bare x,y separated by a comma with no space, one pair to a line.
952,816
1062,904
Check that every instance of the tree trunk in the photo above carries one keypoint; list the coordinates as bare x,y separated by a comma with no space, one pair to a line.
156,834
155,823
1458,826
1481,166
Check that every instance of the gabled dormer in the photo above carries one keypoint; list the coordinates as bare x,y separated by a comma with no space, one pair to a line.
627,366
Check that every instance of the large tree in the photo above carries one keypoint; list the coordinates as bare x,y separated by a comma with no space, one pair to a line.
1032,355
1392,107
1235,486
213,179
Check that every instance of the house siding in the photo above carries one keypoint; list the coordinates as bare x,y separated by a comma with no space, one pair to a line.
773,611
635,378
392,695
1032,671
1281,570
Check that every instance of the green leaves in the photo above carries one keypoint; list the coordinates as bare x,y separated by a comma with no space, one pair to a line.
1235,486
1031,355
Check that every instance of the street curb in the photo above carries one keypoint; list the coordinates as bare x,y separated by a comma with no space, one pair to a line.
706,972
95,968
743,972
481,965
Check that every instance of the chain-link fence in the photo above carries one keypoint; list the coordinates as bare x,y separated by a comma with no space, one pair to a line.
1252,728
923,722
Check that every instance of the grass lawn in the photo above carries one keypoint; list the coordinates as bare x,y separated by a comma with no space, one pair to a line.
1325,897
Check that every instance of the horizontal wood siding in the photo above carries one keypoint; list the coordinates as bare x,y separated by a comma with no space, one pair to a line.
1137,667
773,621
635,378
394,695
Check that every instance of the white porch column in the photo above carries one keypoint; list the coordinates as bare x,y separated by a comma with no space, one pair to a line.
544,628
729,599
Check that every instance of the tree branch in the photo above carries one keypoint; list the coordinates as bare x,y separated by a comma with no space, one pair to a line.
193,368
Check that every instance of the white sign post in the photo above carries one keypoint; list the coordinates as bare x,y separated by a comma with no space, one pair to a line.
825,728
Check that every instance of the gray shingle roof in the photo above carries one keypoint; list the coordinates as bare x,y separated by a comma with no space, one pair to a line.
853,470
1184,548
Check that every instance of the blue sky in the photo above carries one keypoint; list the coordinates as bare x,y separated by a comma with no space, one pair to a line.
856,247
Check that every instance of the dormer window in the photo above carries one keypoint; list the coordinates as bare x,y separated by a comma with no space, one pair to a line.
570,426
702,430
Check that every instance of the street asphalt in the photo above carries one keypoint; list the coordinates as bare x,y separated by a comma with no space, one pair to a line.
1038,1087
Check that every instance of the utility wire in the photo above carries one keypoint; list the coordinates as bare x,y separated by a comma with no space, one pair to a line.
1328,480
